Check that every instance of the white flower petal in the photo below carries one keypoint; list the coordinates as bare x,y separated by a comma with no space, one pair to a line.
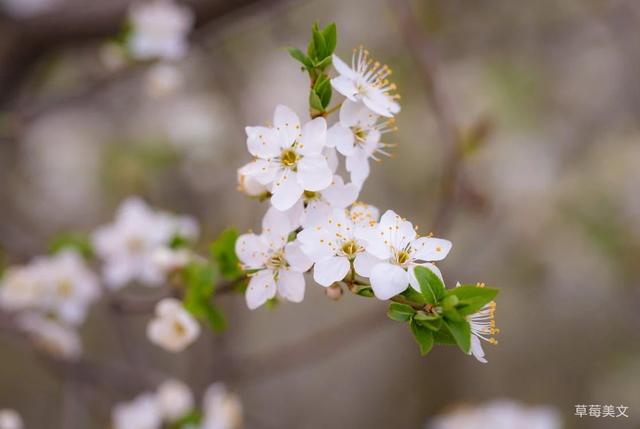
364,263
296,258
388,280
345,86
331,270
339,195
287,123
286,190
476,349
291,285
431,249
354,113
358,165
261,288
314,173
342,68
263,142
342,138
314,137
251,250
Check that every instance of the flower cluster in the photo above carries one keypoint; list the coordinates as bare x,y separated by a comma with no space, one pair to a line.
173,405
53,295
316,223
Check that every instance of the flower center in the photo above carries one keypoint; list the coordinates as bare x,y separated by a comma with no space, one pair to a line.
65,288
276,261
350,248
310,195
289,158
135,244
402,257
179,329
360,134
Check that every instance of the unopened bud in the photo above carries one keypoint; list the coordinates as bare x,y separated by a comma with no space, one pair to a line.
334,292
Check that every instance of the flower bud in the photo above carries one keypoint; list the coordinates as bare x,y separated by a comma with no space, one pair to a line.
334,292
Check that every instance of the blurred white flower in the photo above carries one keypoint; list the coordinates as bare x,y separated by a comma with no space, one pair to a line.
61,285
173,327
366,80
357,136
280,265
51,336
314,207
128,245
222,410
334,245
175,400
159,29
501,414
168,259
141,413
162,79
249,185
364,214
289,157
10,419
399,249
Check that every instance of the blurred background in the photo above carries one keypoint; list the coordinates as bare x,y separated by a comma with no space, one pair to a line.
540,195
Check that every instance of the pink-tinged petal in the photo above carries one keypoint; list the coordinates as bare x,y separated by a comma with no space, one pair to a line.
345,86
262,287
314,137
286,190
251,250
314,173
358,166
430,248
331,270
263,142
413,281
296,258
287,123
291,285
364,263
388,280
342,68
339,195
342,138
354,113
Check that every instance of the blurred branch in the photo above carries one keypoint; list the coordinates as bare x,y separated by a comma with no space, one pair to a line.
424,54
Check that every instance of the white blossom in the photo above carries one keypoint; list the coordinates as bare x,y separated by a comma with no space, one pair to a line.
51,336
173,327
222,410
289,157
175,400
366,80
499,414
357,136
483,327
399,249
249,185
10,419
128,245
334,245
314,207
279,264
141,413
159,29
20,288
163,79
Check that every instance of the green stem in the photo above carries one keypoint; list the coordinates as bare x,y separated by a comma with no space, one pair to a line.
402,300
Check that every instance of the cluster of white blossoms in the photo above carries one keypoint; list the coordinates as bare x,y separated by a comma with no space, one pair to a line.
500,414
52,295
10,419
136,247
173,401
296,165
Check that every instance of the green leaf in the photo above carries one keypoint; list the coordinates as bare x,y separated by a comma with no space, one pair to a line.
424,338
299,56
315,102
431,321
400,312
319,43
330,35
223,251
199,279
190,420
411,294
472,298
431,286
461,332
178,241
216,318
76,242
323,64
366,292
443,336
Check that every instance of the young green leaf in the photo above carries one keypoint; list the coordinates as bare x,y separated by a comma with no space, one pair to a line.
319,43
215,317
400,312
223,251
461,332
366,292
411,294
330,35
76,242
472,298
424,338
430,321
431,286
315,102
443,336
299,56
